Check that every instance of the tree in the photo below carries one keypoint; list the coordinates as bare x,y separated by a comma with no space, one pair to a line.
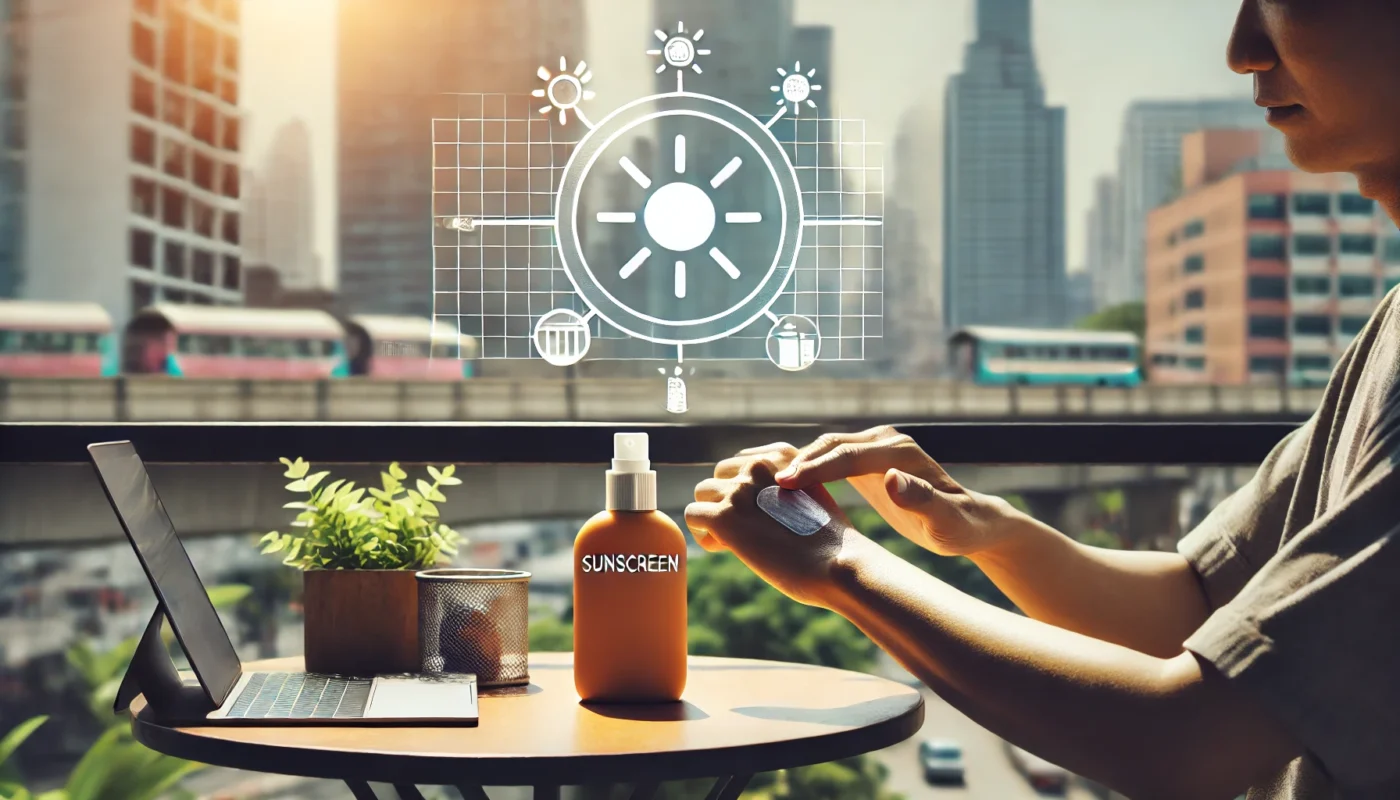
1128,317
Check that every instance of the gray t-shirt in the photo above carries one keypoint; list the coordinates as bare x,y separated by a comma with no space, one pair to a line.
1302,570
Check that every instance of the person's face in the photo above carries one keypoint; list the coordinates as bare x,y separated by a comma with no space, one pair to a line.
1328,71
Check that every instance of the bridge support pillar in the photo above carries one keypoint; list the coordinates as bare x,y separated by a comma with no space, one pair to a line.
1153,515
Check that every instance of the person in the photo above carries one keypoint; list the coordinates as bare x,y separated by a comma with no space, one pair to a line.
1263,655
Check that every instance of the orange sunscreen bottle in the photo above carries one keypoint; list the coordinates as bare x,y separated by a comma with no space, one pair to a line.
630,590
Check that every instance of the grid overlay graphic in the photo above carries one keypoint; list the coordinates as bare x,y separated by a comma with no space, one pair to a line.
495,158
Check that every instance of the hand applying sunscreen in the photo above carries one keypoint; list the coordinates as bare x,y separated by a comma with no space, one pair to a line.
630,589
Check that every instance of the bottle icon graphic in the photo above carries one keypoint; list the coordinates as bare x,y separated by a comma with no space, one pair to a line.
675,393
794,343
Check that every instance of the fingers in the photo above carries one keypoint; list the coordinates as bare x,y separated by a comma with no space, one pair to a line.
836,456
909,492
781,452
699,518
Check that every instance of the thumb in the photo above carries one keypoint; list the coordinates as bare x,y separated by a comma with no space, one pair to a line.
909,492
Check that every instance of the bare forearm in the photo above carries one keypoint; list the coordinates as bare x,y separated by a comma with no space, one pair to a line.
1096,708
1149,602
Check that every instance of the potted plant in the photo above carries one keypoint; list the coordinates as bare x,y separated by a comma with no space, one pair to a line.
358,549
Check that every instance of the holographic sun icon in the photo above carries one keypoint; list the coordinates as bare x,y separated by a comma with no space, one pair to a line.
797,87
565,90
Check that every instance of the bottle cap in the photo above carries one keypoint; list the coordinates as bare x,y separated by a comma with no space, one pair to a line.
630,453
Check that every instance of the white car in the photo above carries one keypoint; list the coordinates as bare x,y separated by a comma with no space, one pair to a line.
942,761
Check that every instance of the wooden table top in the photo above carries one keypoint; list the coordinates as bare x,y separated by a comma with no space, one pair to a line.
738,716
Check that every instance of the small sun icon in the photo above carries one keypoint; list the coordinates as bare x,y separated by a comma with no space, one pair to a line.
797,87
679,51
565,90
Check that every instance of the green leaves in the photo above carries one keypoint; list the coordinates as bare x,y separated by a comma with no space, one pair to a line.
342,526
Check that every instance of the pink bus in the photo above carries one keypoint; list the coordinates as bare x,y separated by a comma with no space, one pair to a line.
55,340
408,348
189,341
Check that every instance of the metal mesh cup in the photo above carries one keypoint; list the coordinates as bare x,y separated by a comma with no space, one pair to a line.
475,620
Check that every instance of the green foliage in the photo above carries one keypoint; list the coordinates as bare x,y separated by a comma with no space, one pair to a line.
116,767
1098,537
551,635
344,527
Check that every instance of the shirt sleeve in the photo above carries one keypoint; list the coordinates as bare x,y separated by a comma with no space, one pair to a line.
1242,533
1314,633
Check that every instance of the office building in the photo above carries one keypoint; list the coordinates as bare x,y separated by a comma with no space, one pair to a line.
128,189
1004,181
1079,295
282,201
1103,246
1149,173
14,80
1260,274
396,63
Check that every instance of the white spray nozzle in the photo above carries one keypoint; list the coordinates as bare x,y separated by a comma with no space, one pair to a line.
630,453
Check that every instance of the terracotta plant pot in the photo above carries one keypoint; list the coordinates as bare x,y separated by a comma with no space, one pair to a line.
361,622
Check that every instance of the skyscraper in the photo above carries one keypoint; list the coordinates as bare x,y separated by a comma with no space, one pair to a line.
1149,172
1004,182
1103,258
128,166
14,71
287,216
395,61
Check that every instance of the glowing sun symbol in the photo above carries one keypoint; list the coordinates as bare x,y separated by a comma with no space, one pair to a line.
565,90
797,87
680,52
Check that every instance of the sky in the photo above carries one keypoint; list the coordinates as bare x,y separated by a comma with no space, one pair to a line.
1095,57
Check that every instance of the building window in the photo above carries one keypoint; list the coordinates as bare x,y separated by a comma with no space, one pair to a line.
1312,285
1312,205
1391,283
142,295
1267,206
1194,363
1354,204
204,267
143,96
179,296
143,44
1312,244
176,40
1353,286
176,109
143,145
1357,244
147,7
228,10
1267,365
232,273
1267,327
173,159
1351,326
16,137
203,216
143,197
229,185
1195,334
1312,325
143,249
228,53
205,124
1193,264
1267,287
1194,229
1266,246
1391,251
1312,363
231,233
172,207
201,300
228,91
205,53
204,172
174,265
231,134
1196,298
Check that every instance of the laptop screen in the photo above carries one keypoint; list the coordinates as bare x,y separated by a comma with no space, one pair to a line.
172,575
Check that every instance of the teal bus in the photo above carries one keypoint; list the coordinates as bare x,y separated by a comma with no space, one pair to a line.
997,356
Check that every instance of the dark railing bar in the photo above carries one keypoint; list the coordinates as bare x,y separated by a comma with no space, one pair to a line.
1001,442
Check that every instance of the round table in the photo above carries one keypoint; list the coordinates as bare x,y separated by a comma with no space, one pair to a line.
738,717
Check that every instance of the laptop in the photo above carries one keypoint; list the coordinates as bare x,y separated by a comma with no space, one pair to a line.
266,698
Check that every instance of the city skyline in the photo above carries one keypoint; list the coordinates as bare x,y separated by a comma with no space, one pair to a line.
882,72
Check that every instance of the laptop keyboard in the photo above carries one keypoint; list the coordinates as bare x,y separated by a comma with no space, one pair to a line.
298,695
